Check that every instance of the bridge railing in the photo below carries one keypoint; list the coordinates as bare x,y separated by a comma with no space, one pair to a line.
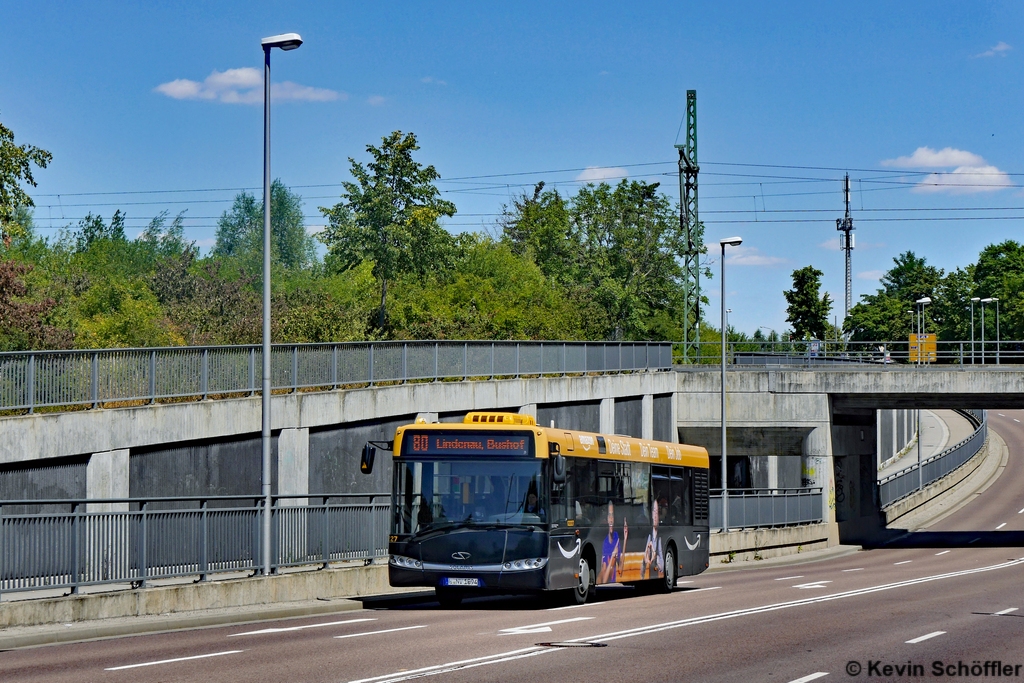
750,508
68,544
901,484
34,379
822,353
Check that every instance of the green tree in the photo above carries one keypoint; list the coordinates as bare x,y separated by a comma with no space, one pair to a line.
16,163
1000,273
240,231
883,316
807,310
389,215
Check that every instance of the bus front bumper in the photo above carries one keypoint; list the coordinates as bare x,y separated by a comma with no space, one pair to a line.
485,579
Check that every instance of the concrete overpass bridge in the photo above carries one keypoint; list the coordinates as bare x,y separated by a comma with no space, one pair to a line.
142,424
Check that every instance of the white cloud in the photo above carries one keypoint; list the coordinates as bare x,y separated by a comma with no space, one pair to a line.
972,174
966,180
831,244
999,49
243,86
871,275
376,100
431,79
926,157
597,174
751,256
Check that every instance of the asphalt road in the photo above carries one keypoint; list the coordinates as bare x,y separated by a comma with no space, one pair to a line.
949,596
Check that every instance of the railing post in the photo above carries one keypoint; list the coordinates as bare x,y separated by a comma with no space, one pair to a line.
295,368
30,385
465,361
252,371
94,390
204,564
204,376
334,366
436,345
563,360
143,566
405,361
325,555
371,365
75,526
492,360
517,359
152,377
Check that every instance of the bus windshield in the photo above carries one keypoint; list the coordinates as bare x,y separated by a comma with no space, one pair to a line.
448,493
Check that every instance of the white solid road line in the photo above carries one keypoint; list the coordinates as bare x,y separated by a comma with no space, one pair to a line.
176,659
787,578
698,590
449,667
858,569
1000,526
810,677
942,553
297,628
387,630
538,628
1005,611
903,562
919,639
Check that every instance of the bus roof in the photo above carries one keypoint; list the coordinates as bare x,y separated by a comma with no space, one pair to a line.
570,442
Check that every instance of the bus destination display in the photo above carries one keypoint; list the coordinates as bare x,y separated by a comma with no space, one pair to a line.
468,443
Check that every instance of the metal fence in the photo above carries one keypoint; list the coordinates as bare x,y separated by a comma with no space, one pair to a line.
811,353
34,379
905,482
62,544
768,507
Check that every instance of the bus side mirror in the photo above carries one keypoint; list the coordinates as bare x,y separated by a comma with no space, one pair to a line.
558,468
366,462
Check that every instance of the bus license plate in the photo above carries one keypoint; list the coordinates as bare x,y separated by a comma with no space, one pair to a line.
459,581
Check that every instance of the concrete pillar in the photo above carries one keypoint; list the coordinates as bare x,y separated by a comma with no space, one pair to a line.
106,476
818,471
647,417
773,471
293,463
895,450
607,417
878,438
675,413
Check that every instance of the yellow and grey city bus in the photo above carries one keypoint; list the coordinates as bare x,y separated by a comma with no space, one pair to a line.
498,504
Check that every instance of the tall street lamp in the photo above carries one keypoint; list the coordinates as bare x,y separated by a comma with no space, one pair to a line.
727,242
973,300
983,302
285,41
921,303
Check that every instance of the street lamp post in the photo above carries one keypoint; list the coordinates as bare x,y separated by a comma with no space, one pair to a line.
727,242
285,41
983,302
973,299
921,303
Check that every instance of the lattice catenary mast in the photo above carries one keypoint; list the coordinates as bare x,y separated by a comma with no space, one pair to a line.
845,226
688,170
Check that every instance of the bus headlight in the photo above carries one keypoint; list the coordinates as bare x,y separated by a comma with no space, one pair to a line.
406,562
520,565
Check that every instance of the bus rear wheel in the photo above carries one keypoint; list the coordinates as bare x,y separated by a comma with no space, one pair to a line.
449,598
585,584
666,584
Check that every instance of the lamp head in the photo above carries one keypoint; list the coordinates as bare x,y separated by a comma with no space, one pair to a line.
731,241
924,300
989,300
975,298
285,41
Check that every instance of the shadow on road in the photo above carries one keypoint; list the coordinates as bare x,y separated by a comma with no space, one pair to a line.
896,538
426,600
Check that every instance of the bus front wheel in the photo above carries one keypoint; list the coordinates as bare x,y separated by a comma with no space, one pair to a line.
585,584
669,582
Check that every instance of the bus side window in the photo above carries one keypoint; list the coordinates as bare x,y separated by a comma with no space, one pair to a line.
661,493
585,488
680,507
561,498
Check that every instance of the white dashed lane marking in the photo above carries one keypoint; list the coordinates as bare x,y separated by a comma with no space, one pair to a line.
814,584
1006,611
1000,526
387,630
810,677
942,553
858,569
171,661
298,628
927,636
903,562
787,578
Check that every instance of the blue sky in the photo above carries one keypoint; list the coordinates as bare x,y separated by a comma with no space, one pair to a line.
142,99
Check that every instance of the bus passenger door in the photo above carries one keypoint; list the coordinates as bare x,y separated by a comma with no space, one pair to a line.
565,546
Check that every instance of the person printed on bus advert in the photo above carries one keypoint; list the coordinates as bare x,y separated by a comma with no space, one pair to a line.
654,558
612,550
